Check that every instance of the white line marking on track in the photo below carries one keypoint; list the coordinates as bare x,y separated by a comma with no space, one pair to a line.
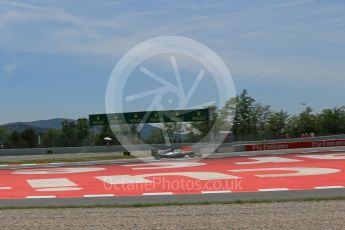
51,183
329,187
58,189
5,188
263,160
158,194
272,189
28,164
99,195
59,170
3,165
40,197
216,192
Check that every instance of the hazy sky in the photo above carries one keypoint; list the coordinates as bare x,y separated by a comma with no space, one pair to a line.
56,56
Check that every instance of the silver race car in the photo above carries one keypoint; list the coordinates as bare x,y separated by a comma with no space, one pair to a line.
173,153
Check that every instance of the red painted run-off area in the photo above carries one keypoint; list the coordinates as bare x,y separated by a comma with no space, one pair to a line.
238,174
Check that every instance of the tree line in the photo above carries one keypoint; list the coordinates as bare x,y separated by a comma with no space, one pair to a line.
72,134
242,117
245,119
254,121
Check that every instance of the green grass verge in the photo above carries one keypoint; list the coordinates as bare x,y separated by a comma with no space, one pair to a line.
71,159
146,205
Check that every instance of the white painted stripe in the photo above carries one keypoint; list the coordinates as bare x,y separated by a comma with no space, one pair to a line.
99,195
273,189
215,192
262,160
329,187
158,194
5,188
3,165
40,197
58,189
51,183
28,164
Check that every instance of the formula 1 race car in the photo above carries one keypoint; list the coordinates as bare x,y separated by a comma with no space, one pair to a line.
174,153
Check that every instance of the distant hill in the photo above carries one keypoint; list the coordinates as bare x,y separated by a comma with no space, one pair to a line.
48,124
42,126
39,126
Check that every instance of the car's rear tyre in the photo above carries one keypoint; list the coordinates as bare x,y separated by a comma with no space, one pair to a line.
191,155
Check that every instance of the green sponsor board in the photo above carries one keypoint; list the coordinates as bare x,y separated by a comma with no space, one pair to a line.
150,117
185,115
98,119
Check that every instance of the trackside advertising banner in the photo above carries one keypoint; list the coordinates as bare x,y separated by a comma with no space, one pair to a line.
295,145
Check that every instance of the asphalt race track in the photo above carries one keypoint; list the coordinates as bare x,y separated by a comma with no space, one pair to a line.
316,174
